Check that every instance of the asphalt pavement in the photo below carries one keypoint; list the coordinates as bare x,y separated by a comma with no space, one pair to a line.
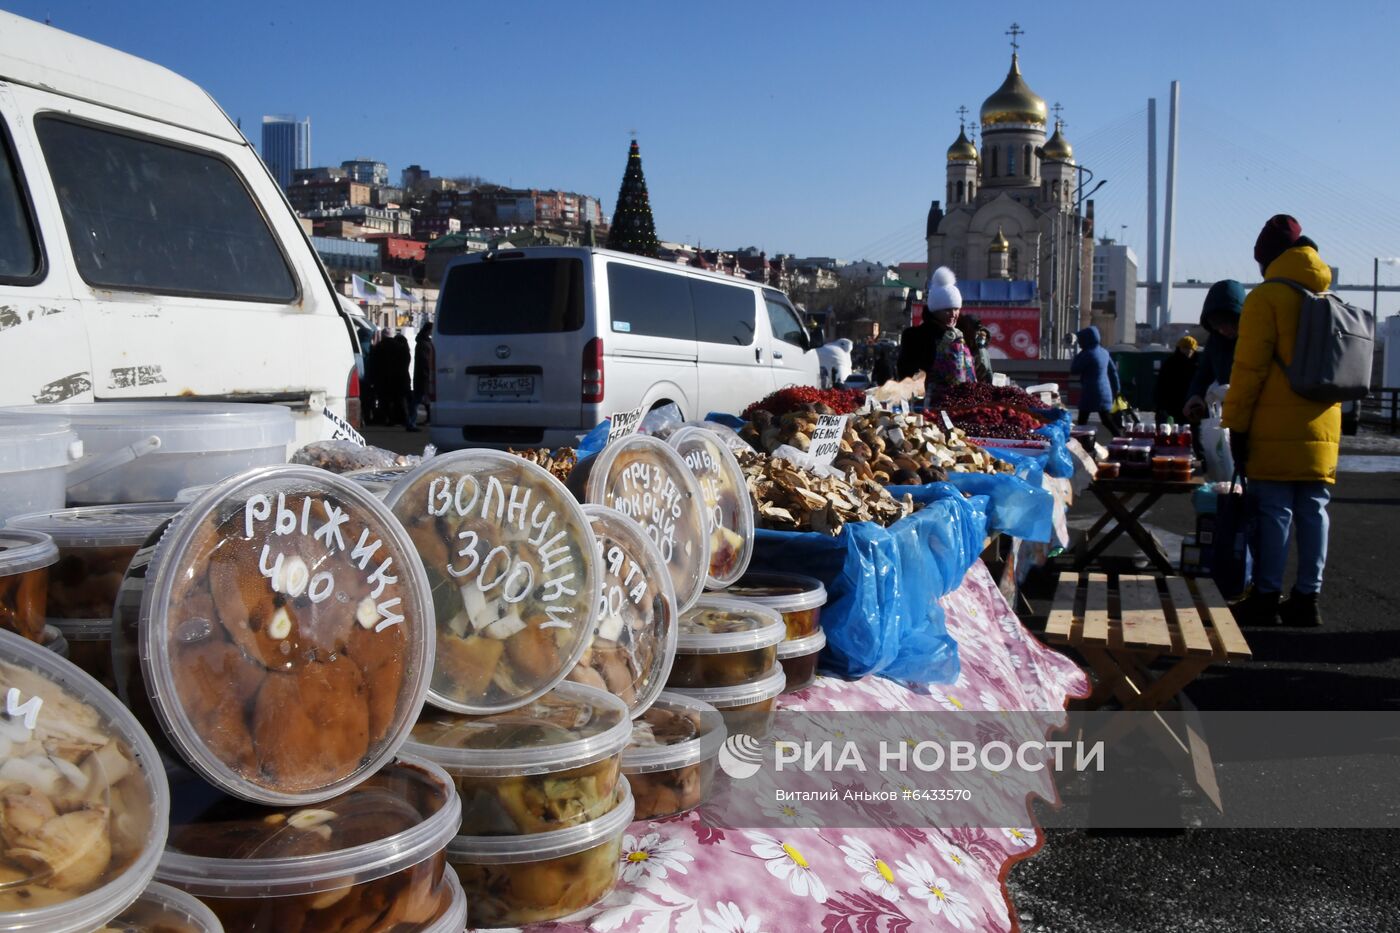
1293,881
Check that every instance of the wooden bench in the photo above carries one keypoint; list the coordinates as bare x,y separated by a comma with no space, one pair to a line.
1123,624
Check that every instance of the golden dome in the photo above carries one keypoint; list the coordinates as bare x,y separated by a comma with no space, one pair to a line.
1013,102
1000,245
1057,147
962,149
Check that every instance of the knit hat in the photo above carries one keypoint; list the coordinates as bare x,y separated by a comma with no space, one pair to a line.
1187,343
1279,233
942,290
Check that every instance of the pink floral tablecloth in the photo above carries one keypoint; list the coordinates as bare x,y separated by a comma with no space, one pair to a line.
681,875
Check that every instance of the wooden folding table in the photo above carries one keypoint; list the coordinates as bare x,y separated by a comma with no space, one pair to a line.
1124,624
1122,514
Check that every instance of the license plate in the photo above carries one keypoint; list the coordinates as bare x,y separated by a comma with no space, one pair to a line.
505,385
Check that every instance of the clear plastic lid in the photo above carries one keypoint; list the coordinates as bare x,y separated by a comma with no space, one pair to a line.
86,799
723,698
379,478
677,731
36,442
224,847
801,647
510,560
647,481
724,625
183,427
541,847
23,550
782,592
99,525
379,481
163,909
285,634
634,642
190,493
569,727
727,501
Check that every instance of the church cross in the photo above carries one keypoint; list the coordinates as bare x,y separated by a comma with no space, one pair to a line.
1015,32
962,116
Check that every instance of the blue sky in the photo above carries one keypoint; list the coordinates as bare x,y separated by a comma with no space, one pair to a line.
820,128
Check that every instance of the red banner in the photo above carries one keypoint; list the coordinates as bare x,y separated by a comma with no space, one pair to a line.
1015,332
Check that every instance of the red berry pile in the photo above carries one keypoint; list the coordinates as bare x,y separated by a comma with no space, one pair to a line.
976,394
997,421
806,398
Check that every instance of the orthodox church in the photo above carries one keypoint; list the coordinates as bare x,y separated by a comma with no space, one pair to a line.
1011,210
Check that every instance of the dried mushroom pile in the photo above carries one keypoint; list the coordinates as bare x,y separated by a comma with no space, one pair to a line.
890,449
788,497
74,809
559,462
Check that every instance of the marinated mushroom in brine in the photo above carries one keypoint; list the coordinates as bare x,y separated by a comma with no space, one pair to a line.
75,808
509,556
634,641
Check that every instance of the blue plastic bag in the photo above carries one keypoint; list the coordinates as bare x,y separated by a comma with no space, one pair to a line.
1014,507
1059,463
594,440
882,614
1029,466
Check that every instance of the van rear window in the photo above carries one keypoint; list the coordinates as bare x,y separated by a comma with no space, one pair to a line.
150,217
512,296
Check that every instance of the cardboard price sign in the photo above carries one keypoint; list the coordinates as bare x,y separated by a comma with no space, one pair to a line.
623,423
826,438
341,429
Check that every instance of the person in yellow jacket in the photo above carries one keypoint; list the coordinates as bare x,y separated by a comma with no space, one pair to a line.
1286,444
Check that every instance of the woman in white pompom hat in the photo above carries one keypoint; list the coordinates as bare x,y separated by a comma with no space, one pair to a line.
936,347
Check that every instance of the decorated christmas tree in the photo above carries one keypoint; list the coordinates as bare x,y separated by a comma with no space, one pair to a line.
633,230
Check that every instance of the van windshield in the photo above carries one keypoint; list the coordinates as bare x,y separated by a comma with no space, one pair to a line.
512,296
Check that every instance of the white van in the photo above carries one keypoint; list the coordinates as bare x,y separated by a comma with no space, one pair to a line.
536,346
145,251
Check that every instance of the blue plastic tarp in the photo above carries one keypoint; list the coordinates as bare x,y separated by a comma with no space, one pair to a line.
882,614
1014,506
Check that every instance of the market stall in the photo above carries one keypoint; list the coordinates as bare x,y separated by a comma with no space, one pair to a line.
681,873
492,685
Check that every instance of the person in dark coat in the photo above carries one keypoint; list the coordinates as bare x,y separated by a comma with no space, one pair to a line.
936,346
372,392
1098,380
423,362
394,378
1220,316
1174,381
881,371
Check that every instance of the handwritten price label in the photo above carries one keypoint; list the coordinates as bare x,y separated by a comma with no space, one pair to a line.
341,429
624,423
826,438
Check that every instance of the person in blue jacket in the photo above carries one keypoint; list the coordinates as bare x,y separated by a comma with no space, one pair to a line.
1098,380
1220,316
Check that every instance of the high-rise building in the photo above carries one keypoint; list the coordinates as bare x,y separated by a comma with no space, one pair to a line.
367,171
1115,279
286,146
